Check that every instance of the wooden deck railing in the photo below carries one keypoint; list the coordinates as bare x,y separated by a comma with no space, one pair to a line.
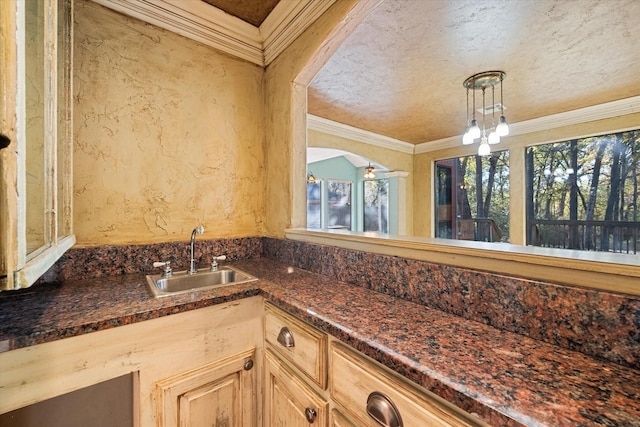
601,236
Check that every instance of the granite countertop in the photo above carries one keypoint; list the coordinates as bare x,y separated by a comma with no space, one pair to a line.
505,378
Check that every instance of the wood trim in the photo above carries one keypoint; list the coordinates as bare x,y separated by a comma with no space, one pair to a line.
37,266
608,272
8,123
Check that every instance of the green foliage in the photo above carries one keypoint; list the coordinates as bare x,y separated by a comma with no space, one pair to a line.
594,174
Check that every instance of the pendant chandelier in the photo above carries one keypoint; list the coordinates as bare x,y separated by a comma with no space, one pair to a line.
488,135
368,174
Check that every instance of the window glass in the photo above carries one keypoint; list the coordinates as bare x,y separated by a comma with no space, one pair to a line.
339,206
376,205
583,194
314,205
472,198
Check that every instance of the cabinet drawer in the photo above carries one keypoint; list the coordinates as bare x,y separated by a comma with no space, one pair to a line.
354,380
300,344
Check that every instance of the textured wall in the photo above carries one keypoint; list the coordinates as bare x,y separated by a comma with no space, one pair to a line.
285,101
168,134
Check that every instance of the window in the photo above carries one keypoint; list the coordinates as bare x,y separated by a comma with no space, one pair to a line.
339,204
583,194
472,198
376,205
314,204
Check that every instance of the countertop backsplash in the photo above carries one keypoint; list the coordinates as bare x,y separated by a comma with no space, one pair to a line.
601,324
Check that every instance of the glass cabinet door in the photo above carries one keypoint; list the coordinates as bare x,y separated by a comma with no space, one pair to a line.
36,115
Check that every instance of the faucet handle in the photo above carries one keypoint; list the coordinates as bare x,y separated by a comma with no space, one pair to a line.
214,262
166,272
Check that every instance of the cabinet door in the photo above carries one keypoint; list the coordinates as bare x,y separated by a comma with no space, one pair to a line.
289,401
36,46
221,394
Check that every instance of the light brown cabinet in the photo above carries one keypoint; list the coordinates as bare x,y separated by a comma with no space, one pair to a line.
372,395
289,400
36,47
339,420
360,392
222,393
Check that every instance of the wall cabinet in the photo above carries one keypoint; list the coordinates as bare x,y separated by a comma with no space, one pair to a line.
222,393
36,119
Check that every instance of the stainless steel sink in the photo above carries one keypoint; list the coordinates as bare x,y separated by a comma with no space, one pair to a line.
181,282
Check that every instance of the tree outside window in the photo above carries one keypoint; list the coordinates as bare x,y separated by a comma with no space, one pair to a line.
472,197
339,206
376,205
314,204
583,194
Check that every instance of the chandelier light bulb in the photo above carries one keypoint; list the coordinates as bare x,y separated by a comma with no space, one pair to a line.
484,148
503,128
494,138
474,130
467,139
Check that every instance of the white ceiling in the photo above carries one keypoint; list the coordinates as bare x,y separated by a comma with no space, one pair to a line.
400,73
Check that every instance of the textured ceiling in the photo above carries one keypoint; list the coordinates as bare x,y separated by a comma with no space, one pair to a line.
252,11
400,73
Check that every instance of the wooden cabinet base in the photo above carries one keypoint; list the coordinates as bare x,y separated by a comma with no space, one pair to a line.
222,393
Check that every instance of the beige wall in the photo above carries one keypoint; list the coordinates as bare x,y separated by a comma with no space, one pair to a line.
168,134
285,102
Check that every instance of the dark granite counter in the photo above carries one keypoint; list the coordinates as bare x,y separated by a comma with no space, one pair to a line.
505,378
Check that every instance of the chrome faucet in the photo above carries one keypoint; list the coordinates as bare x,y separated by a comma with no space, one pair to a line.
192,263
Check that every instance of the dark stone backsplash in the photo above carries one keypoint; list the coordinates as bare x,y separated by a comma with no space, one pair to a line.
86,263
597,323
602,324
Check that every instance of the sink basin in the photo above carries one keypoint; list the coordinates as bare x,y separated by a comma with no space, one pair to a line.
181,282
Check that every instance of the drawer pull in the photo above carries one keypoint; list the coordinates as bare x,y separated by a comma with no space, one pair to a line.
285,337
310,414
383,411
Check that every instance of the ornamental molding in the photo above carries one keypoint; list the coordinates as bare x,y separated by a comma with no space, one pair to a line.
330,127
213,27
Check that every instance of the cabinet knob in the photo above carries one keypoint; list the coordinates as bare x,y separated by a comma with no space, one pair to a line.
285,337
383,411
310,414
248,364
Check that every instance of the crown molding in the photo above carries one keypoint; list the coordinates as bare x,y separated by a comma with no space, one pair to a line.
286,22
608,110
213,27
198,21
330,127
397,174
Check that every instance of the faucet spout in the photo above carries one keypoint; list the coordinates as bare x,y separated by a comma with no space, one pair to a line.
192,262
